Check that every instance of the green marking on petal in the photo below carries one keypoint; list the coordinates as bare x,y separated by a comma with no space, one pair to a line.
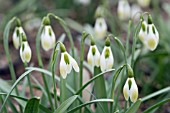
129,84
153,29
66,59
107,53
18,33
143,27
93,50
50,32
151,43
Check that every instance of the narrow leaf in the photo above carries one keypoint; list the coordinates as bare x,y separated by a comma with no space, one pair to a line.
32,105
134,107
64,106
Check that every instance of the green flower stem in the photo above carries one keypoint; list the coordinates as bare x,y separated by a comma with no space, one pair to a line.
84,35
41,66
53,75
63,90
29,81
6,48
128,37
134,42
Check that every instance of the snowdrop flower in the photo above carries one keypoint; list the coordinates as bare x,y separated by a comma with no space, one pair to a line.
152,37
143,32
67,62
83,2
123,10
106,59
47,38
16,36
25,52
144,3
130,89
93,56
100,28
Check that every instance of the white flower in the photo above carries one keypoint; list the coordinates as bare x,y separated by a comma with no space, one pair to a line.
66,64
100,28
106,59
47,38
123,10
25,52
93,56
143,32
152,38
16,36
83,2
144,3
130,89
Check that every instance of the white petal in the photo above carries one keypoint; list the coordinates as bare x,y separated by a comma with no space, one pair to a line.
63,68
103,61
25,53
133,91
97,57
144,3
143,34
100,28
74,63
90,58
123,10
126,90
110,59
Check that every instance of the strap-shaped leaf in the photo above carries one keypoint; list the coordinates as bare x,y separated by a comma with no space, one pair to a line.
64,106
32,106
134,107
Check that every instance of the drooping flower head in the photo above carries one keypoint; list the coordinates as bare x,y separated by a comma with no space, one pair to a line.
130,89
100,28
152,39
93,56
144,3
67,62
17,34
47,37
143,32
106,59
123,10
25,50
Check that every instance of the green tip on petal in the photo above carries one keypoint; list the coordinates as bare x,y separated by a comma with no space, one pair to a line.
130,71
18,22
129,83
62,47
143,27
149,19
66,59
93,51
153,29
107,42
107,53
46,21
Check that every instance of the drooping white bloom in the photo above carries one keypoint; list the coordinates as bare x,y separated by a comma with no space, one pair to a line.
106,59
100,28
144,3
143,32
124,11
152,37
47,38
83,2
93,56
130,89
25,52
16,36
66,64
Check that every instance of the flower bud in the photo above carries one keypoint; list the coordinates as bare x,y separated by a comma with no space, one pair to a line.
25,52
144,3
93,56
100,28
123,10
47,38
130,89
106,59
16,36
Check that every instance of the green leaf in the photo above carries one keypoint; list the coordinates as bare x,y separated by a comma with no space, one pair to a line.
14,85
87,103
167,89
32,105
64,106
134,107
156,105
